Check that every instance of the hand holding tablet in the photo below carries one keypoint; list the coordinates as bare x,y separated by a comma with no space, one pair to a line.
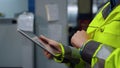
42,42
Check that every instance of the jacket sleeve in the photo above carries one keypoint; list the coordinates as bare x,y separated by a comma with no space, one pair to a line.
70,56
93,53
100,55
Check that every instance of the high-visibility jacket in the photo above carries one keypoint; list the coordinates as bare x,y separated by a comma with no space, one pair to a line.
103,49
105,28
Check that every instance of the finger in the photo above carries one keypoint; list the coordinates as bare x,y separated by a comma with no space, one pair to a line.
47,54
44,38
42,42
83,30
78,31
55,45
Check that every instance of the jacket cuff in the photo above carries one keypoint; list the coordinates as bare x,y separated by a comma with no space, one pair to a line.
68,55
59,57
88,51
71,55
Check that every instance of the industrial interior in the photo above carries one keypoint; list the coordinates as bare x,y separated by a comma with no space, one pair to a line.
56,19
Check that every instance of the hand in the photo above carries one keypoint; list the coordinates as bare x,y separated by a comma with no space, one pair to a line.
50,43
79,38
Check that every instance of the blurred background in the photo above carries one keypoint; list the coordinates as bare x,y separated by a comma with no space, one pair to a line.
56,19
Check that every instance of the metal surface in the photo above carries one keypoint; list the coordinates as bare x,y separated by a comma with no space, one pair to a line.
15,50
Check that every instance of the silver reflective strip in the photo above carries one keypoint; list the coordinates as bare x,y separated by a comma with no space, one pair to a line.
104,52
102,55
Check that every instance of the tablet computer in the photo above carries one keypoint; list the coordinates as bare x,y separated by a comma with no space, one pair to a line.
36,40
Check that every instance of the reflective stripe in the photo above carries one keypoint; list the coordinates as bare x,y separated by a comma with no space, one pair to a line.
102,55
88,50
104,52
106,11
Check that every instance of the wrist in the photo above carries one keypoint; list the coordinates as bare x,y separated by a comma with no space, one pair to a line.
83,45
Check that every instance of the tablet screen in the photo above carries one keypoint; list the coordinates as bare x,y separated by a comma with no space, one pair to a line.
36,40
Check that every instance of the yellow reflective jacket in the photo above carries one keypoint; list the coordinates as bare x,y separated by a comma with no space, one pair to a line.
103,49
105,28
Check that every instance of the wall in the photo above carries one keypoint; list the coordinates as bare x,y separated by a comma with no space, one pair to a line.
11,7
44,27
15,50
